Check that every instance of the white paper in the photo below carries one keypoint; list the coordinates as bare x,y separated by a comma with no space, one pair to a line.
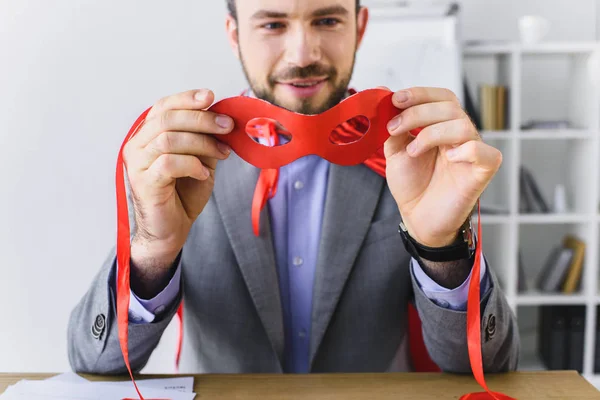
70,377
185,385
61,390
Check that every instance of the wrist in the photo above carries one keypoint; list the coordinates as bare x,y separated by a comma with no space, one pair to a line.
433,241
151,270
460,247
153,254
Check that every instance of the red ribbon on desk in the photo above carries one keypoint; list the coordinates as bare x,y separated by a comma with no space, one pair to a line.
310,135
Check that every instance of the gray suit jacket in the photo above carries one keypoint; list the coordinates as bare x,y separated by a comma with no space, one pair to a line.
233,318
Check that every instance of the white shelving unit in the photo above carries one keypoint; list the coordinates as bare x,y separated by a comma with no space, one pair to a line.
562,156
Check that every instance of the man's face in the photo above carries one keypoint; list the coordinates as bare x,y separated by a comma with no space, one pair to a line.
298,54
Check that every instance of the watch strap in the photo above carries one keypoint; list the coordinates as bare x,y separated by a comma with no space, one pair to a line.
462,248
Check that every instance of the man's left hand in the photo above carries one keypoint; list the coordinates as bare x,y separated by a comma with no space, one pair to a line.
436,177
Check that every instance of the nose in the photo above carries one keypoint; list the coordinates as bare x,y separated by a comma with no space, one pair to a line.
303,47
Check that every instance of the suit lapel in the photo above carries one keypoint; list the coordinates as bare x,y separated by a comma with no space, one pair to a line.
234,189
352,196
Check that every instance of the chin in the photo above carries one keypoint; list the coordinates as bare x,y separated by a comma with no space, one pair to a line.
304,105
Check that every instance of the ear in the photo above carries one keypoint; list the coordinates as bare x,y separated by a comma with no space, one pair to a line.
361,24
232,34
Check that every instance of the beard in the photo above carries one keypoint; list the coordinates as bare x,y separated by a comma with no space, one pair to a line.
306,106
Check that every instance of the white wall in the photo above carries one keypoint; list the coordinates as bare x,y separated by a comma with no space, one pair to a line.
598,19
73,77
497,19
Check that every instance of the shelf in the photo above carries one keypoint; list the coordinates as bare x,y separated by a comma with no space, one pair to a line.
548,81
555,134
560,48
552,218
490,219
540,134
540,48
533,298
488,49
495,135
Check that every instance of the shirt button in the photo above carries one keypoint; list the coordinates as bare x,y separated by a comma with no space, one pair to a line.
298,261
298,185
134,317
443,303
302,334
159,310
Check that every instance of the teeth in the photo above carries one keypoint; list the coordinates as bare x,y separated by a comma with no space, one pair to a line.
306,84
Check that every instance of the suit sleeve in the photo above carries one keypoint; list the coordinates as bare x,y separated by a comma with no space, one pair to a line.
456,298
93,339
445,335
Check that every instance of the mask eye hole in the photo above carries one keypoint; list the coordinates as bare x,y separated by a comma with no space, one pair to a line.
268,132
350,131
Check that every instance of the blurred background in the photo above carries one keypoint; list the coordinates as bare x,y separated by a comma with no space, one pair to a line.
74,76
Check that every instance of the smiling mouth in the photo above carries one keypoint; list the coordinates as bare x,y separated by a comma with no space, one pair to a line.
305,83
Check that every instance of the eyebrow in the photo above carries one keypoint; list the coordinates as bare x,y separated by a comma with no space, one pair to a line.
321,12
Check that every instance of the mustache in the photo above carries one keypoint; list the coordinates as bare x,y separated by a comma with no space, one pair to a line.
304,73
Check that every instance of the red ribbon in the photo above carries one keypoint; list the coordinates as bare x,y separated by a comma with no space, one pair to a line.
124,245
124,254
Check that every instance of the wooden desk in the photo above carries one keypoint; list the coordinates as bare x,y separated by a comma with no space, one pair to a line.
522,385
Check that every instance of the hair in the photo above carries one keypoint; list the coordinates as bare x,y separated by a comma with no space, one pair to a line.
233,11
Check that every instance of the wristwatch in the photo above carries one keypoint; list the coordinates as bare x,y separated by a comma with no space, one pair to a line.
462,248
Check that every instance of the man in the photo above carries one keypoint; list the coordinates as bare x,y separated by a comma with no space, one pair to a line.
326,284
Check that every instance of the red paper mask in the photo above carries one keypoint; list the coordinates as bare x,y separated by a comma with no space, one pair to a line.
310,133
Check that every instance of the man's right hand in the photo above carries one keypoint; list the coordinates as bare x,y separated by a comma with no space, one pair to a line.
170,164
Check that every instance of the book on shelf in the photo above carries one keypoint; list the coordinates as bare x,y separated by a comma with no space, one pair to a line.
572,280
470,106
546,124
563,267
531,199
597,341
555,269
493,101
561,332
522,286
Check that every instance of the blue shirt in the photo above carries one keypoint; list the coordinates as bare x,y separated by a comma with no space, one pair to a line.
296,214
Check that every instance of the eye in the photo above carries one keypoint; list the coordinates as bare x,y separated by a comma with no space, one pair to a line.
328,22
271,26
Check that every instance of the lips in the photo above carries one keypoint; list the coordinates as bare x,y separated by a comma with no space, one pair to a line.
304,83
304,88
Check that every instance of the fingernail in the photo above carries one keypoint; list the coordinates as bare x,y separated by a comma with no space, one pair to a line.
450,154
412,147
224,121
401,96
201,95
206,172
394,124
223,147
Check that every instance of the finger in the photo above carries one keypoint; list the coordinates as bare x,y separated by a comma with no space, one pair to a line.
169,167
189,100
423,115
476,152
421,95
195,144
448,133
184,120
